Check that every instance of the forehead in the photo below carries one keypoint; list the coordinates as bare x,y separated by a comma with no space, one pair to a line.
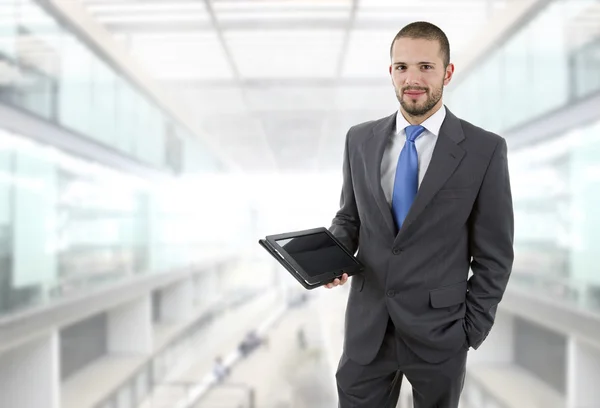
411,49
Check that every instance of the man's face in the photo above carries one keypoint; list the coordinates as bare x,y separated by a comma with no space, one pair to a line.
419,75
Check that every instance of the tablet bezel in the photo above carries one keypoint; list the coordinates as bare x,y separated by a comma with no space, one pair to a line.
325,277
267,245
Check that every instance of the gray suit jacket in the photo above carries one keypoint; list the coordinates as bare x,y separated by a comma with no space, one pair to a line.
461,218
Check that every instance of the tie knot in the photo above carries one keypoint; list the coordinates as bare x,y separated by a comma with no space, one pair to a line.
413,131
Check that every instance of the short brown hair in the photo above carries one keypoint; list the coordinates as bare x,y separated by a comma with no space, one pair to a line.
426,31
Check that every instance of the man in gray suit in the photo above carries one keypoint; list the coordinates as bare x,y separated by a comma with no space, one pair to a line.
426,197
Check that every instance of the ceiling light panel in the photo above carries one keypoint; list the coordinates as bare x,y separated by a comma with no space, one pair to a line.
284,15
252,5
374,13
144,7
281,12
438,4
174,16
157,11
282,53
181,56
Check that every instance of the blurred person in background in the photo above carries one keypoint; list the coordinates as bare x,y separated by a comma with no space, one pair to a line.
250,343
425,197
220,371
301,337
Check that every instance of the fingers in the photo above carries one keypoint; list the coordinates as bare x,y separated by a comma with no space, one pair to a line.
337,281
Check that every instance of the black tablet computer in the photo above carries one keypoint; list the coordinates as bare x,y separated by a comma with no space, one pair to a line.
314,257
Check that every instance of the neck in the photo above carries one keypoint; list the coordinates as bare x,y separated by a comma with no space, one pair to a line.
417,120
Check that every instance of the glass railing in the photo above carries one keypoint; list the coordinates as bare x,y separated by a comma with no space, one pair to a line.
585,69
68,225
548,63
556,194
137,388
578,293
48,71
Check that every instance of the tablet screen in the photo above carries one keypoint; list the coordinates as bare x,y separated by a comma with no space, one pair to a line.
317,253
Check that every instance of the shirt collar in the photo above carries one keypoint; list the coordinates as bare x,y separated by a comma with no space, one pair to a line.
432,123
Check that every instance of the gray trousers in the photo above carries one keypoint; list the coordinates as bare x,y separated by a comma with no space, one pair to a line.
377,385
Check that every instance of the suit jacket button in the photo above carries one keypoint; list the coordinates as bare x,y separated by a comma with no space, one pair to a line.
391,293
396,251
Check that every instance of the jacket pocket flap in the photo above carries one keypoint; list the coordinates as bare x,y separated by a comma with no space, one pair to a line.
448,295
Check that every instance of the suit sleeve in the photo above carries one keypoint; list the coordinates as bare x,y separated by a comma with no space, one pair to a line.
491,245
346,223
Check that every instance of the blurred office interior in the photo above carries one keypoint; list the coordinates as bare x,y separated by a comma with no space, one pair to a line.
146,145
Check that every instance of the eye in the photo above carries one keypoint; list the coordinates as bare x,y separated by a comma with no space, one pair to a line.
427,66
400,67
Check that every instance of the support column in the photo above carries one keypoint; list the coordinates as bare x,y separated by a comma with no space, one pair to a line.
216,278
177,301
583,374
213,287
202,293
130,328
29,375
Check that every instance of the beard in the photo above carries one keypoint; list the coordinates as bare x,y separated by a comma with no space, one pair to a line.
414,108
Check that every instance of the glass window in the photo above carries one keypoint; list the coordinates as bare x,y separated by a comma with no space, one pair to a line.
195,157
491,90
66,224
8,27
100,217
47,70
36,51
150,138
548,63
10,75
35,92
466,100
34,218
139,120
517,79
103,106
75,89
6,223
549,60
126,117
556,219
584,186
586,69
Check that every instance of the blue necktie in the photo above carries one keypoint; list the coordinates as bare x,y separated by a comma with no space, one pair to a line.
406,182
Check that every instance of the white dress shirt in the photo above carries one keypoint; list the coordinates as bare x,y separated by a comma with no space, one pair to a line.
424,143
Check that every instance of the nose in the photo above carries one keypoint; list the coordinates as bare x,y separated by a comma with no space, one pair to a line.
413,77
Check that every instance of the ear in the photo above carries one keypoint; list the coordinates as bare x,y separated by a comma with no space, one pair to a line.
449,73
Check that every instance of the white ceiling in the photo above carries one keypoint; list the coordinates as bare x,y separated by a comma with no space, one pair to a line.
278,83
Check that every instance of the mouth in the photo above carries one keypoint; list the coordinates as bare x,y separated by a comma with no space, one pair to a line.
414,94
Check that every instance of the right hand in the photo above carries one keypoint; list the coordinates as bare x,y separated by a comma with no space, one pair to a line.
337,282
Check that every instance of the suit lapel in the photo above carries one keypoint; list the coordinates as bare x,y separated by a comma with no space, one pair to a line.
447,155
374,148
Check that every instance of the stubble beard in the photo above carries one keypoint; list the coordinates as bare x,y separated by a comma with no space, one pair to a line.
419,109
